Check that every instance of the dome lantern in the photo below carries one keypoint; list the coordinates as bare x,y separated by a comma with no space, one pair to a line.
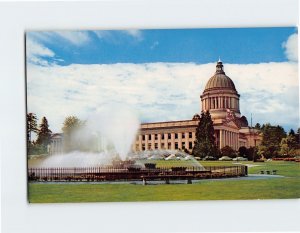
219,67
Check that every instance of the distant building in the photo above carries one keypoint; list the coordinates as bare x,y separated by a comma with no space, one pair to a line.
221,99
56,144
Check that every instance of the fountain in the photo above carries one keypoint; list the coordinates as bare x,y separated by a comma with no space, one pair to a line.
114,130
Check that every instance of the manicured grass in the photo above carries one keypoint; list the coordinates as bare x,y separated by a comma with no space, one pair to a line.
286,187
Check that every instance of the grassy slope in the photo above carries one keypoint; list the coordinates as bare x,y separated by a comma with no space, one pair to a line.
287,187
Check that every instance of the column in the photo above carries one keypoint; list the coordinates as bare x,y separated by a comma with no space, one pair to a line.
222,102
221,138
140,142
166,141
172,141
180,140
227,138
146,142
152,141
193,137
159,141
186,140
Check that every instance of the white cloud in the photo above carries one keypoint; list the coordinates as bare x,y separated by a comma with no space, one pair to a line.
291,47
160,91
137,34
101,34
36,52
75,37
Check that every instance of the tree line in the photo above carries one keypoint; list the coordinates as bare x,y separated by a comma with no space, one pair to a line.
275,142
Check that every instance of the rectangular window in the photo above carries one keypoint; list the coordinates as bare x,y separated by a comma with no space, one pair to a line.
156,136
143,146
169,145
176,135
183,145
162,136
190,135
149,136
190,145
169,136
143,137
176,145
163,145
149,146
183,135
156,146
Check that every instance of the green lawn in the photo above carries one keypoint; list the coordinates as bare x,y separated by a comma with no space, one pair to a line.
279,188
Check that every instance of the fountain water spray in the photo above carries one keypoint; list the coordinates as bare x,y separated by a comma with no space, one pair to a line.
107,133
117,124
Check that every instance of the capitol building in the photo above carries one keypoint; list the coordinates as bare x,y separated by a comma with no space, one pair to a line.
221,99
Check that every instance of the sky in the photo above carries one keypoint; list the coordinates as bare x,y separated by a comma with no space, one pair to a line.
160,74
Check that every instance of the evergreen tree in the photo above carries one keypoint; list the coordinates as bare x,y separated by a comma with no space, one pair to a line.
292,132
31,128
205,139
257,126
44,134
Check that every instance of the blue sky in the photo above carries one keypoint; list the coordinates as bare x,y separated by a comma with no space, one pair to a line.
235,45
160,74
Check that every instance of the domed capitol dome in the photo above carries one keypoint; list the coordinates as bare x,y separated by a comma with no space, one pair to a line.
219,80
220,95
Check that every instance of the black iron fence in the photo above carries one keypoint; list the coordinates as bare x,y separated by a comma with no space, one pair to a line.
108,173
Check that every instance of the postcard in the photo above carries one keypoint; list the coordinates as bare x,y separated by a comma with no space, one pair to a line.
162,115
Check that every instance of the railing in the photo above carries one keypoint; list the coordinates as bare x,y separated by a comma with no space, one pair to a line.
108,173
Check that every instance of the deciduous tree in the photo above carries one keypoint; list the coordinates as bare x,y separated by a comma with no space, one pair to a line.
70,126
272,136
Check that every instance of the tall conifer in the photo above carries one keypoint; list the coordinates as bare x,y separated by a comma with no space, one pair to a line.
205,139
44,133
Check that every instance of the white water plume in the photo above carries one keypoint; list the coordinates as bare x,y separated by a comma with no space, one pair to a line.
117,124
